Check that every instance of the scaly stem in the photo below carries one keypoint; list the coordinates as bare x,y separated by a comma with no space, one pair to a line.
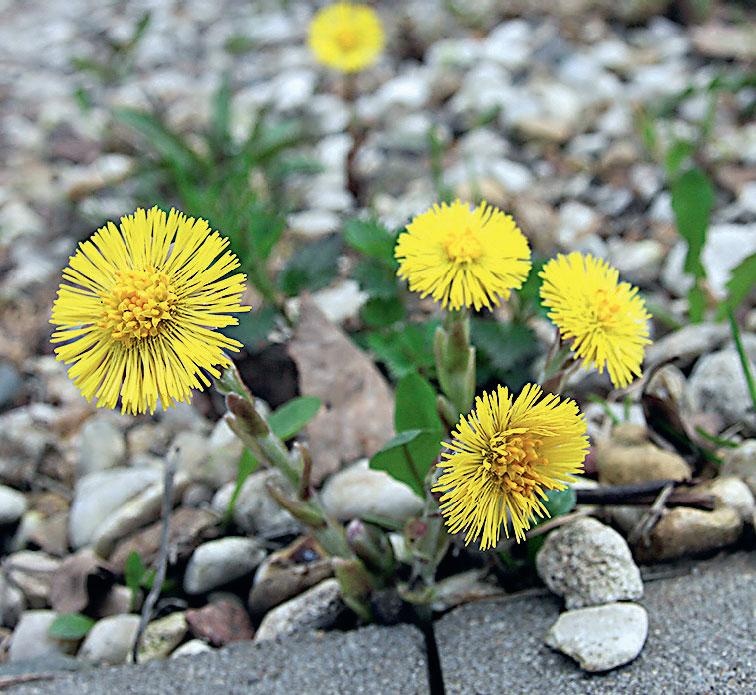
455,360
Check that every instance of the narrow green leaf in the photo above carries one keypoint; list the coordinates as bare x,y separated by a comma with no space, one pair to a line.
169,146
248,464
415,405
134,571
696,303
220,120
291,417
70,626
692,203
741,283
409,456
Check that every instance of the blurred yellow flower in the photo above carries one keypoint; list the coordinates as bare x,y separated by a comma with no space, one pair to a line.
503,457
605,319
463,256
138,308
346,36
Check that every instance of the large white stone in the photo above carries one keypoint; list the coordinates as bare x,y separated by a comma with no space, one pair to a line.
600,638
99,494
31,639
358,491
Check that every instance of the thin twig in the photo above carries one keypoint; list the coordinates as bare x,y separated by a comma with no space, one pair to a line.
556,522
162,558
652,515
745,362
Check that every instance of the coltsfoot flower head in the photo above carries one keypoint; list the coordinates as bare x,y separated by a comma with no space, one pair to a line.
605,319
463,256
346,36
137,310
502,459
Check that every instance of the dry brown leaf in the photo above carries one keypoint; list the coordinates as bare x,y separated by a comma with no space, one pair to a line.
81,580
357,417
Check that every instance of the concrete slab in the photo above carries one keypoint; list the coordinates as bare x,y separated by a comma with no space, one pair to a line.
700,640
370,661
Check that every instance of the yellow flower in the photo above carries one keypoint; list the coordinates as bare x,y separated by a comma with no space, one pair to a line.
463,256
503,457
346,36
138,308
605,318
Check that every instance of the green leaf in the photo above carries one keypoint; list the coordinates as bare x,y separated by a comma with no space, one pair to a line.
696,304
220,120
405,348
560,502
254,327
134,571
505,345
377,279
291,417
371,239
676,155
169,146
248,464
741,283
415,405
408,457
530,292
70,626
379,312
692,203
311,267
265,230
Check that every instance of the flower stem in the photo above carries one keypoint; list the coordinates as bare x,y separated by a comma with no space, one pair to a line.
455,360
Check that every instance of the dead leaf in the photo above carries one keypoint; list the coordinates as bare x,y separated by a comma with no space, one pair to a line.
81,580
188,527
357,417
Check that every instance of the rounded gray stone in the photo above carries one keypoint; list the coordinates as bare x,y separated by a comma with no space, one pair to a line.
589,563
218,562
110,640
12,505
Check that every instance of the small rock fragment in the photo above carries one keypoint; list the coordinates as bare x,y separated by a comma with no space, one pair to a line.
742,463
218,562
162,636
588,563
686,531
190,648
619,464
600,638
315,609
220,622
32,572
12,505
110,640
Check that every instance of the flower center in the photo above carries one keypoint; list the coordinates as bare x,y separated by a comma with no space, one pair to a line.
606,308
512,459
347,39
463,247
140,301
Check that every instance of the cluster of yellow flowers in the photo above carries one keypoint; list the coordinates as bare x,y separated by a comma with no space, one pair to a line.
506,454
138,309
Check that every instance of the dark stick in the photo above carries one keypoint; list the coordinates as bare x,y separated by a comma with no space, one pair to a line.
643,494
162,559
